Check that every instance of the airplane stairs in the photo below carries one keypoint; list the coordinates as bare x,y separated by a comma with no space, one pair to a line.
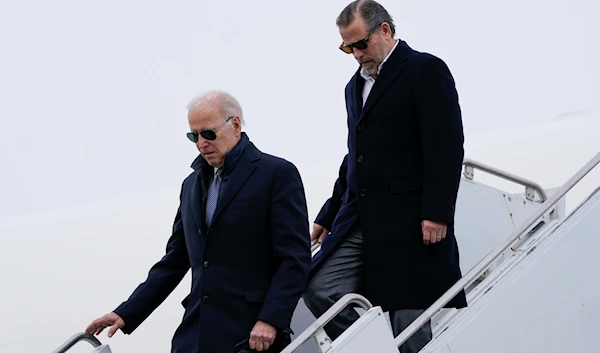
535,290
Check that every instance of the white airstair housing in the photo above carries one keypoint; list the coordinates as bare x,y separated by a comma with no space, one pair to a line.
530,273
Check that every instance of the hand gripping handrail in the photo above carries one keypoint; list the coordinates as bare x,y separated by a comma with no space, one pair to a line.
81,336
314,244
351,298
470,165
530,186
488,260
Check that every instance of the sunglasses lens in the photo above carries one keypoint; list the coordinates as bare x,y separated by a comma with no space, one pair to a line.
192,136
361,44
208,135
345,49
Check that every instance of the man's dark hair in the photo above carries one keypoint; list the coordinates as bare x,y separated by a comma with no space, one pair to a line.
370,11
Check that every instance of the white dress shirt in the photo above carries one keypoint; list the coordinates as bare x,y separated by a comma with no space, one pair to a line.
370,81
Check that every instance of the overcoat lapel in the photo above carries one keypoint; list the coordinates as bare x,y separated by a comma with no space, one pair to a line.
198,191
242,171
390,72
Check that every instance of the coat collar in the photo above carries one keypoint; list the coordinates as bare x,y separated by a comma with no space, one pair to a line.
390,70
200,165
245,167
243,157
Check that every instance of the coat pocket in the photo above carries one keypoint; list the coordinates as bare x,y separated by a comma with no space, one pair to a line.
404,184
255,296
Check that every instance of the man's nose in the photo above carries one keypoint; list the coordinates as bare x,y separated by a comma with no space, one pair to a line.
357,54
201,142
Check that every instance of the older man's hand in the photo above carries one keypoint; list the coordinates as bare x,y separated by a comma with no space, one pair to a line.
111,319
262,336
433,232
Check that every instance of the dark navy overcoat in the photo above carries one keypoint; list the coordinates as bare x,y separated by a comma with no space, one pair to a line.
251,264
405,153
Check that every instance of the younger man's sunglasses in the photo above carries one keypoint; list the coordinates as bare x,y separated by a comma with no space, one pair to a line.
360,45
208,134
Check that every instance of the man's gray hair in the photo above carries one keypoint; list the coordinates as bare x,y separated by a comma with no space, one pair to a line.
227,104
370,11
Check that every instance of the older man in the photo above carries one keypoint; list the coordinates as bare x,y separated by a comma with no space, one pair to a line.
392,210
242,227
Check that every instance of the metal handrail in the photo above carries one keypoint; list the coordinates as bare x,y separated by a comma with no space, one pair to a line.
488,260
469,164
81,336
351,298
530,186
314,245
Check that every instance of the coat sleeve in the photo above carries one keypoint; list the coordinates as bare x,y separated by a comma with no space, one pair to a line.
291,248
162,279
331,207
442,140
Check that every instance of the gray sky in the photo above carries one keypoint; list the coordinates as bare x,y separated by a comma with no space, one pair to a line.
94,93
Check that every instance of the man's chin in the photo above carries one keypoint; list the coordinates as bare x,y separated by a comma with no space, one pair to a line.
213,161
369,68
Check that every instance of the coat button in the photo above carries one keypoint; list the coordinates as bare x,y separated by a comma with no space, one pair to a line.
361,126
205,298
206,264
360,158
363,192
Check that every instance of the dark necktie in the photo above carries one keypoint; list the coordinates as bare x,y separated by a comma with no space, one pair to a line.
212,197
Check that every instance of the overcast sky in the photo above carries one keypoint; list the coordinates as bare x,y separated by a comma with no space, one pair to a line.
94,92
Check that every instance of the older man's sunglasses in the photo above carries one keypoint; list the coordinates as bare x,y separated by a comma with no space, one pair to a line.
207,134
360,45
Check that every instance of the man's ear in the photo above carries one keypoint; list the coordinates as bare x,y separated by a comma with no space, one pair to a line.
237,124
386,29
